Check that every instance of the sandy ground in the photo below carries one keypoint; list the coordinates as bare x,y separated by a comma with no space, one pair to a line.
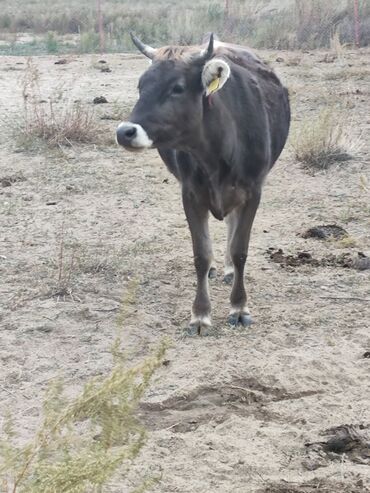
240,411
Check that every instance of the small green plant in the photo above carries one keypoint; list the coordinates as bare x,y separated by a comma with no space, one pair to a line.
320,142
51,43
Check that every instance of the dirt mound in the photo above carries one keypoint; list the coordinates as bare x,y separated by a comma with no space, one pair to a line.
325,232
186,412
317,485
351,440
300,258
359,261
7,181
347,260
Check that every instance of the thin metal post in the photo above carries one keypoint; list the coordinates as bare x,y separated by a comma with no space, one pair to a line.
357,23
227,8
227,17
100,26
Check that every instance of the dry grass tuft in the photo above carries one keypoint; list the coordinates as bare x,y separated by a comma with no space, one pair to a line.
348,73
323,141
74,263
55,121
335,44
347,242
72,124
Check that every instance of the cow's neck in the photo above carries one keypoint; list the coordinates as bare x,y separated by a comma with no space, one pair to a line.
214,149
214,153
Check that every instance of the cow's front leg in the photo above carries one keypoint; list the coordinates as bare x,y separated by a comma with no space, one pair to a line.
197,217
239,242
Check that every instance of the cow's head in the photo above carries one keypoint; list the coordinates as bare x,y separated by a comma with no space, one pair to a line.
172,92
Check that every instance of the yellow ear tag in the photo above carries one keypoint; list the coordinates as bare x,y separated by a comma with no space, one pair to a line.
213,86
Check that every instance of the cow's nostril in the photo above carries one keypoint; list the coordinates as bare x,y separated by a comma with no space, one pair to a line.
130,132
126,134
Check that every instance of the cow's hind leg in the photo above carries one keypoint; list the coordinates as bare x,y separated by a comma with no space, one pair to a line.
239,242
197,216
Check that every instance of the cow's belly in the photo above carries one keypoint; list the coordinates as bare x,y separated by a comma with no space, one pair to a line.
219,195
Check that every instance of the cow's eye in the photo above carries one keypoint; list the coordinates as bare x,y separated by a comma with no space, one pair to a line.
178,89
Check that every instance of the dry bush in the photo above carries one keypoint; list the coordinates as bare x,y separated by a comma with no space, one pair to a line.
320,142
55,122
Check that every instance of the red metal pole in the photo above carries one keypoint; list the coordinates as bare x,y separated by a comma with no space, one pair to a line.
357,23
100,27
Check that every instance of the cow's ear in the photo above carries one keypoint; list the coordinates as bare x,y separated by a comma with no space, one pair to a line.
214,75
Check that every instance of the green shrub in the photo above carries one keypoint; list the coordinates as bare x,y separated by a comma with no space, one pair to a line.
51,43
82,441
89,42
5,21
215,12
272,32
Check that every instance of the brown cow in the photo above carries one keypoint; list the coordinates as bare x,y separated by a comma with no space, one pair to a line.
219,118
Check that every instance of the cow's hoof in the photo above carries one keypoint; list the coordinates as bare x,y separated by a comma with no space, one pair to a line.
240,318
228,278
199,327
212,274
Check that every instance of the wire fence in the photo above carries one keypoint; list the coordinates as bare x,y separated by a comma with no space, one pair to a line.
299,23
104,25
283,24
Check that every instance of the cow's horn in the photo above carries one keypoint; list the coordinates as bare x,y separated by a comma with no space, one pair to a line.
146,50
206,54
